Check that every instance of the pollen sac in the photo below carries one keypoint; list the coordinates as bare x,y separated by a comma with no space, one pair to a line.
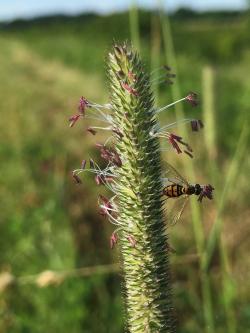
196,125
91,130
110,155
83,104
173,140
176,141
105,207
192,98
83,165
91,164
76,178
73,119
113,240
188,153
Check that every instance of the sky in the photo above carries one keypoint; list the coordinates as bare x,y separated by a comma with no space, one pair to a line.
12,9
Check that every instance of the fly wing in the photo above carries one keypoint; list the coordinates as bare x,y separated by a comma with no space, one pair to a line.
175,208
172,175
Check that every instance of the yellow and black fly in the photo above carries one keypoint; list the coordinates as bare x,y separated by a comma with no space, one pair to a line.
177,188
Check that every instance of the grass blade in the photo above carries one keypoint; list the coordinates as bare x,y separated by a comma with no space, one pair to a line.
134,25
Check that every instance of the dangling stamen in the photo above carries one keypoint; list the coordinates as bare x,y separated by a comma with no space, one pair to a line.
76,178
83,104
175,141
98,118
196,124
98,109
107,209
100,106
102,128
112,220
83,165
73,119
104,204
91,130
91,164
188,153
170,105
104,177
98,114
95,106
191,98
108,176
113,239
109,154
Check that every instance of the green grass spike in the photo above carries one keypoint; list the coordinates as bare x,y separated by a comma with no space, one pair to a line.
142,235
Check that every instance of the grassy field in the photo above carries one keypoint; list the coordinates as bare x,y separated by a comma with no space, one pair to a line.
49,223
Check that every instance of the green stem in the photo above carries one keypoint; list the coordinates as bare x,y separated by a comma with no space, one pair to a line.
209,115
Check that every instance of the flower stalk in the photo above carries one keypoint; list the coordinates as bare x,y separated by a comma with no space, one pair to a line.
133,174
145,260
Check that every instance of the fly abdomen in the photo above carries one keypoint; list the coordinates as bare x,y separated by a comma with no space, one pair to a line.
173,191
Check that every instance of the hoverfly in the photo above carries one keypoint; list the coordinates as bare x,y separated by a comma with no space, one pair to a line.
178,189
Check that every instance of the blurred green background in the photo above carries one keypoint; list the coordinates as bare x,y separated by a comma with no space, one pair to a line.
48,223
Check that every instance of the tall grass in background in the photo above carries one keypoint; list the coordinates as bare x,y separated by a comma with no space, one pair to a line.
215,238
155,43
190,172
205,245
223,191
208,89
134,25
